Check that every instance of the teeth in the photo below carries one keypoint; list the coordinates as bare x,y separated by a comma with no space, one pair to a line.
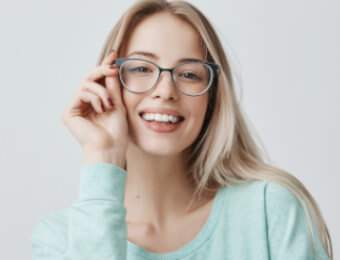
160,117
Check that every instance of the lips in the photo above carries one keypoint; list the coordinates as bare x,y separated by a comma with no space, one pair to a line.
162,127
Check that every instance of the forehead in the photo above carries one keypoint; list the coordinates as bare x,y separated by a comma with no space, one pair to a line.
166,35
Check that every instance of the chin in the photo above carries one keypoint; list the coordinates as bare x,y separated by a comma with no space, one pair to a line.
158,147
162,147
159,144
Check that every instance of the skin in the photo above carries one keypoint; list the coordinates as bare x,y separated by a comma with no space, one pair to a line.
157,193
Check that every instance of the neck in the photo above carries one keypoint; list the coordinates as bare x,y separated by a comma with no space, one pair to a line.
157,189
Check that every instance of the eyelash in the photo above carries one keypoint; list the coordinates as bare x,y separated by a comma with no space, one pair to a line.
196,77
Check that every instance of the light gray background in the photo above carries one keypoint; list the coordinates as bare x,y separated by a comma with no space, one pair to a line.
287,54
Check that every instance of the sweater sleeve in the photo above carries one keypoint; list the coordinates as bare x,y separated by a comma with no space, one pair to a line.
96,222
287,226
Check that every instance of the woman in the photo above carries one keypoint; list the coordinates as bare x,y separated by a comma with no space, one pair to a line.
159,124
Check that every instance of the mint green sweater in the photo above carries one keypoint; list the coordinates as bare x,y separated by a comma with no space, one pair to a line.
255,220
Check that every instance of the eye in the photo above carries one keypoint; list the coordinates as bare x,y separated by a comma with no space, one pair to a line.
190,75
140,69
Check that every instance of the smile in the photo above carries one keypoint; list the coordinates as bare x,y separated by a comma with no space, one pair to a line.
162,127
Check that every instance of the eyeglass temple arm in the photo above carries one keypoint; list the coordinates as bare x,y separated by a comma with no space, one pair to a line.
118,62
215,67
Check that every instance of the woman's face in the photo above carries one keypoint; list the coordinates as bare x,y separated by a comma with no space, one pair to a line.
169,39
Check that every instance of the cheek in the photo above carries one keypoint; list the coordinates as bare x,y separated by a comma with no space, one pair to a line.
124,96
131,102
199,107
128,99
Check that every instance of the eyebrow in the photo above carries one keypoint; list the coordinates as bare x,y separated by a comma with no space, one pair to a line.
154,56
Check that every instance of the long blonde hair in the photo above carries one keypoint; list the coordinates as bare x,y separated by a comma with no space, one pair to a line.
225,151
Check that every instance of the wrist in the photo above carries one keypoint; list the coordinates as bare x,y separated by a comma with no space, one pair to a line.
104,156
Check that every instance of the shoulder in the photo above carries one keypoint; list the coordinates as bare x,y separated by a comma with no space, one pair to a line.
287,224
272,211
262,199
274,201
52,230
261,191
280,195
250,193
283,206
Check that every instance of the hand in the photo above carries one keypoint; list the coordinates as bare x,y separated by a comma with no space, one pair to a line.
96,124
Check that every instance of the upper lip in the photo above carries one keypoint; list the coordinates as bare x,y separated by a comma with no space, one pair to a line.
161,110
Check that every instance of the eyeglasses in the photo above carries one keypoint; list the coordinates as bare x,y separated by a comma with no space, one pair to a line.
192,78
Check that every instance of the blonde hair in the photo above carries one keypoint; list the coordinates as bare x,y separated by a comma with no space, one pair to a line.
225,151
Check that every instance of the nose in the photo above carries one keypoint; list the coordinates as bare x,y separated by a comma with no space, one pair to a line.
165,88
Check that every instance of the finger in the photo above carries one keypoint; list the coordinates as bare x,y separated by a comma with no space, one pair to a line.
113,85
94,99
99,72
104,69
98,89
108,60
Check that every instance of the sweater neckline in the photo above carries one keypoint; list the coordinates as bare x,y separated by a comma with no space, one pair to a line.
196,243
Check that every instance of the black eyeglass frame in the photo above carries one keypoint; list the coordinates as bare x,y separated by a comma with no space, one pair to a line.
213,67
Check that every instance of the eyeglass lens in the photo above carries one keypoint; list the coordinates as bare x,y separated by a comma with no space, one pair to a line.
190,78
